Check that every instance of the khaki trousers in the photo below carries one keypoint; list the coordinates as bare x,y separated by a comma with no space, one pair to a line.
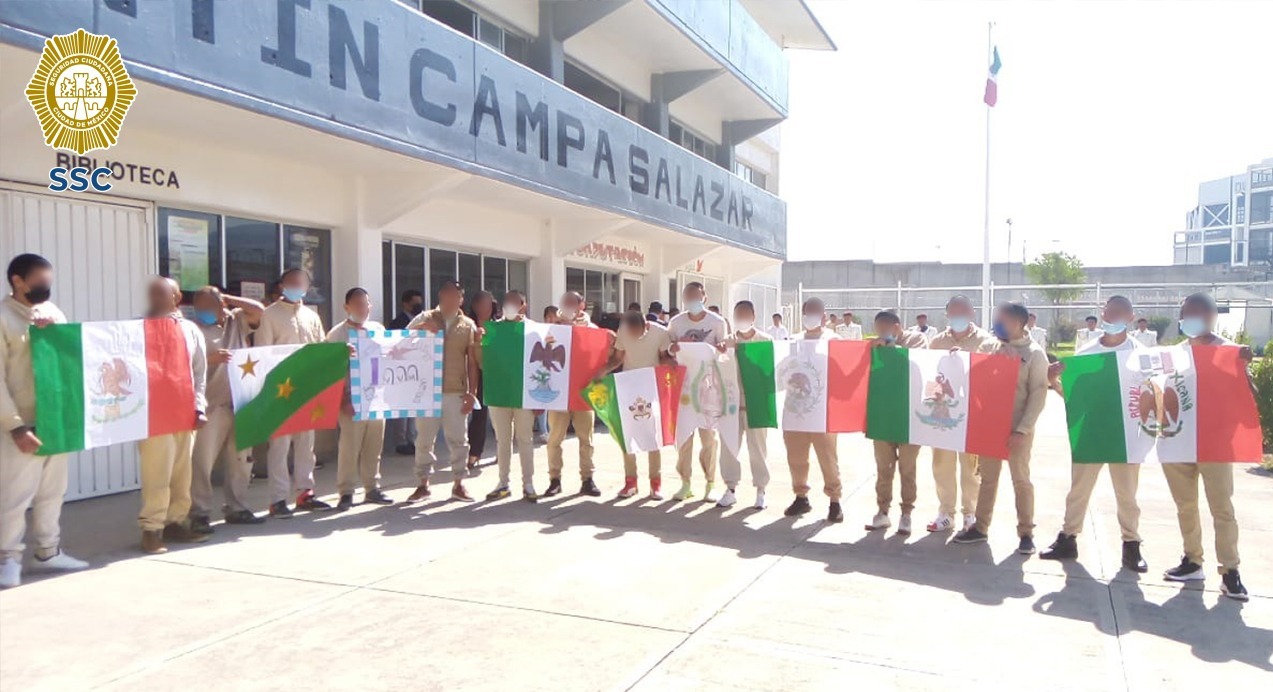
454,426
302,448
708,445
731,469
1022,488
824,445
655,459
165,479
35,482
558,423
969,483
514,426
212,443
358,454
889,458
1217,483
1124,477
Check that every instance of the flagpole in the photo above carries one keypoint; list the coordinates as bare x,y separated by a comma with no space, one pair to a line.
985,257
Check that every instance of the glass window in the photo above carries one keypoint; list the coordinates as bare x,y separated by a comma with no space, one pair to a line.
251,256
610,293
592,293
452,14
592,88
1215,254
408,267
389,307
470,273
516,48
490,34
310,249
495,276
441,268
574,281
190,248
517,276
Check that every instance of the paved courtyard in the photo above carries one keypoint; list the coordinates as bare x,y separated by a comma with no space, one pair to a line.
597,594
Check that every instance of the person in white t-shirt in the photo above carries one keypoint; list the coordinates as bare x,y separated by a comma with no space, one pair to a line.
823,444
777,330
848,329
696,324
639,343
756,439
1147,337
1085,334
1038,334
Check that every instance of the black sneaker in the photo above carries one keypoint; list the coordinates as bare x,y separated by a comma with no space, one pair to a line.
969,535
1132,559
309,503
243,516
406,449
346,503
1064,548
554,487
1231,586
1185,571
280,510
201,526
835,515
376,496
1026,546
798,507
589,488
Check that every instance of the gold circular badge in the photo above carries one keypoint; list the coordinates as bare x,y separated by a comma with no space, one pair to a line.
81,92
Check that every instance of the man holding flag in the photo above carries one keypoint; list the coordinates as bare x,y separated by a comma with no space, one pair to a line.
813,319
696,324
757,439
639,343
571,313
513,426
891,457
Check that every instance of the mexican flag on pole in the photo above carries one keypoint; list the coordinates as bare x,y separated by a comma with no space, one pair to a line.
959,401
1176,404
805,385
282,390
534,365
639,407
101,383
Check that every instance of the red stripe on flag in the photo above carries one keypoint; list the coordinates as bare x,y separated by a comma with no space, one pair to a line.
320,413
589,351
1228,421
670,379
171,390
848,375
992,386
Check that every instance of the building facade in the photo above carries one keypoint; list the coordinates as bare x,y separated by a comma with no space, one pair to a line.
615,147
1232,223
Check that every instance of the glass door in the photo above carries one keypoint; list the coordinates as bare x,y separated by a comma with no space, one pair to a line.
631,292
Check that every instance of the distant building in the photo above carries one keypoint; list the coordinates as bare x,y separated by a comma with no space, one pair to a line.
1232,223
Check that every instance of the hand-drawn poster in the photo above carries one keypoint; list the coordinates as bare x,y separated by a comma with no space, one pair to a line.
396,374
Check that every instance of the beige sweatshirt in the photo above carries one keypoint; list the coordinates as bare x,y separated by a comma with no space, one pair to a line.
974,340
1032,381
17,381
285,323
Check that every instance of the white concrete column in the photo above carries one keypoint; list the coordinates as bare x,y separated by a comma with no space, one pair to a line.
547,271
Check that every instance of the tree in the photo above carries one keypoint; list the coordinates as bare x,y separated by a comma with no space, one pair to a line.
1055,268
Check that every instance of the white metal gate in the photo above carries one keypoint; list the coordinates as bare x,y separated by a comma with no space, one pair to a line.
102,254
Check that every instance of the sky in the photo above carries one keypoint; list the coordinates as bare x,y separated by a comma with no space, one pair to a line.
1110,114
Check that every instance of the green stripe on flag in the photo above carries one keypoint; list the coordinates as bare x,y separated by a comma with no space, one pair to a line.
888,396
57,359
1094,408
503,362
294,382
603,398
756,375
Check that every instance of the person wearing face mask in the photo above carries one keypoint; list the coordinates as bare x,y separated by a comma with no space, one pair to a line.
960,334
412,305
1124,477
358,451
1028,401
28,480
481,310
289,321
824,445
402,430
1197,322
572,313
514,426
226,322
696,324
892,458
639,343
757,439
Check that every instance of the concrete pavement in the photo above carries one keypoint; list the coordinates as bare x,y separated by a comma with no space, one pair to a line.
594,594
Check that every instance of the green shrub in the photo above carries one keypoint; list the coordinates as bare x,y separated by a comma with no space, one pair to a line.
1161,325
1063,331
1262,373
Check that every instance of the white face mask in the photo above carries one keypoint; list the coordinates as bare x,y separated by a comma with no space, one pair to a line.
566,314
811,321
357,319
744,325
512,309
694,307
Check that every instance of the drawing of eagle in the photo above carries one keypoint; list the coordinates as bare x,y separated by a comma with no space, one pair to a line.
553,358
112,376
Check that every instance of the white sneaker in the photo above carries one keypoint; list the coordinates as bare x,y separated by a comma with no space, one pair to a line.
760,500
880,521
61,562
904,525
729,499
943,522
10,573
685,493
707,492
970,520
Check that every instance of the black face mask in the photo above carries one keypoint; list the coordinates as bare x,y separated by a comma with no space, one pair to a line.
416,308
38,294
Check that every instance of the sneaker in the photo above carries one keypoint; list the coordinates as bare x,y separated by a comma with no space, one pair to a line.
1231,586
309,503
541,438
280,510
243,516
970,520
180,533
904,525
728,499
421,492
835,515
498,494
589,488
554,487
708,491
760,500
376,496
629,488
10,573
656,489
1025,546
685,493
1132,559
529,494
1063,548
201,524
152,542
879,521
943,522
1185,571
59,562
969,535
405,449
346,502
459,494
798,506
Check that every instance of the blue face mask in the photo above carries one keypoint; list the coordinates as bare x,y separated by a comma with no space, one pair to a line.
205,317
1193,326
889,339
694,307
294,295
1113,327
1001,331
959,324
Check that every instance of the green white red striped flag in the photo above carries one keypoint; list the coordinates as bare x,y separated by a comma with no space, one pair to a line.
639,407
282,390
805,385
1176,404
534,365
957,400
102,383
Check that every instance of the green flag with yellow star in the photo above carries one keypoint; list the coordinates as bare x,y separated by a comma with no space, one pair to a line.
283,390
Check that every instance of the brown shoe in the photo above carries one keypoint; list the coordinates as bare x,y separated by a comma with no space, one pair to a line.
152,542
180,533
458,493
421,492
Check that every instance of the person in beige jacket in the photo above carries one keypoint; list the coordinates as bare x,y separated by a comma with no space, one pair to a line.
27,479
892,458
572,313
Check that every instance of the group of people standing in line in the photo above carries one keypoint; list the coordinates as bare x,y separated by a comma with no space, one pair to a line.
177,498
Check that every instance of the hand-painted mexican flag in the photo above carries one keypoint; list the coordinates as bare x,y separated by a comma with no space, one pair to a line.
1171,404
534,365
101,383
282,390
958,400
805,385
639,406
710,398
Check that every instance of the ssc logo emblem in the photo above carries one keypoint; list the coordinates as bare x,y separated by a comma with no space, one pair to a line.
81,92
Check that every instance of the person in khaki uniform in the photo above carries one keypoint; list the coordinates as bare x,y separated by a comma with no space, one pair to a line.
697,324
823,444
960,334
27,479
639,343
166,467
1125,478
1027,404
289,321
1197,322
225,321
892,458
513,426
756,439
571,312
361,441
459,391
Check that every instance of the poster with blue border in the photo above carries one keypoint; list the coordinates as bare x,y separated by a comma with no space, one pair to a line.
395,373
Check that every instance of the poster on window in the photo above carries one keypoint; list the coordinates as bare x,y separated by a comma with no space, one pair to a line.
188,252
395,373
